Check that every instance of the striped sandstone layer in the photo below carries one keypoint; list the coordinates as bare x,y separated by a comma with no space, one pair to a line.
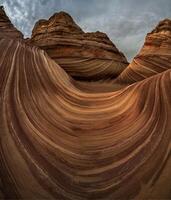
84,56
6,27
57,142
153,58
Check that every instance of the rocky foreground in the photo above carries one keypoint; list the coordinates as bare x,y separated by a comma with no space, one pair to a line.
59,142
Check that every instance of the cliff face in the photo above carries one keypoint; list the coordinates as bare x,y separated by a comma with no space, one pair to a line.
85,56
153,58
6,27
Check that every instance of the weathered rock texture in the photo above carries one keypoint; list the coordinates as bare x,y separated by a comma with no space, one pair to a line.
85,56
57,142
6,27
154,57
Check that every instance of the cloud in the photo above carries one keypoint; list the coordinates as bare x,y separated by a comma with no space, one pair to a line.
125,21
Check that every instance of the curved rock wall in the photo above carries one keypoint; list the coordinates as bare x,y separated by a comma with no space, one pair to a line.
58,142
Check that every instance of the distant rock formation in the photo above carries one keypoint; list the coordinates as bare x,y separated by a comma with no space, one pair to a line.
6,27
154,57
85,56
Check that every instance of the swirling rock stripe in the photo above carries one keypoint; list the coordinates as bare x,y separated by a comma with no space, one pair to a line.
84,59
91,68
57,142
143,67
154,58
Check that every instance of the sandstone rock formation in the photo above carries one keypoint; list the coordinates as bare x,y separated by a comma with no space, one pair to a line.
60,143
85,56
6,27
154,57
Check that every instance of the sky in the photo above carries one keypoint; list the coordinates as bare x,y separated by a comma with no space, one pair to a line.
126,22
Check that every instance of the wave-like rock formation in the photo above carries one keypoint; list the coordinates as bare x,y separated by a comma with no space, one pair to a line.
154,57
6,27
57,142
85,56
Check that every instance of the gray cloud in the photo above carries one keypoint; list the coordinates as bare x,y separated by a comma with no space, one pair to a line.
125,21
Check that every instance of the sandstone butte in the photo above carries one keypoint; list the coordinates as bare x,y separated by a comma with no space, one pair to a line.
153,58
58,142
84,56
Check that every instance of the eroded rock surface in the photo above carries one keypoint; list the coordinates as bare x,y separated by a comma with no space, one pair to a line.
6,27
59,142
153,58
85,56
